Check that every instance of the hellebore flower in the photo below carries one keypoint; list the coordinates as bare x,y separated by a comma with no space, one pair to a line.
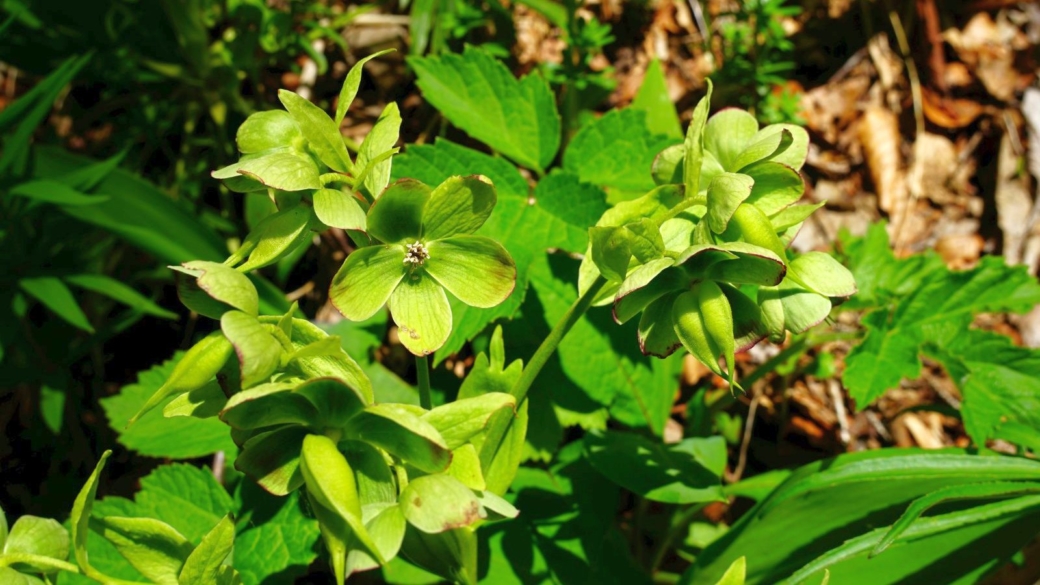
427,247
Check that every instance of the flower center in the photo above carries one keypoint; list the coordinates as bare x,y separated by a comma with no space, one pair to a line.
417,254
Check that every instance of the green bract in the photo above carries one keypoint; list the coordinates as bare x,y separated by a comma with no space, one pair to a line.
427,246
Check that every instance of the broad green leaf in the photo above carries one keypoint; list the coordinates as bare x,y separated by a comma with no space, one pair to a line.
438,503
273,459
274,237
458,206
57,297
654,100
476,269
366,280
616,151
735,574
695,145
790,217
204,402
684,473
266,130
338,209
334,402
397,214
403,434
267,405
203,565
458,421
12,577
194,370
726,135
338,365
282,546
48,191
992,532
33,535
825,503
725,193
154,548
381,138
285,171
465,467
152,434
422,313
120,292
220,283
763,147
803,309
351,83
386,528
259,353
943,301
795,154
321,132
776,186
822,274
479,94
376,484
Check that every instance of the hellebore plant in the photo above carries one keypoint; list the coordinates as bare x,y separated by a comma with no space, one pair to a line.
701,260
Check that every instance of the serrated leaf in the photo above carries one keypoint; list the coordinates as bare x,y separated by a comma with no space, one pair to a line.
479,94
156,436
616,151
186,497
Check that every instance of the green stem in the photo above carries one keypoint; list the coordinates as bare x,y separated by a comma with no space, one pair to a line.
422,371
541,356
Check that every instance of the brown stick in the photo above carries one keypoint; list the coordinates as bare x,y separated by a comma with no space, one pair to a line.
929,15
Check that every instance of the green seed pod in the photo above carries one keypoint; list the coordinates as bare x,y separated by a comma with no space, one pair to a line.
756,229
196,368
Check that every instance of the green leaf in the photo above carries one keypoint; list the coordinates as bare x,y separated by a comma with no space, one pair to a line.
616,151
338,365
282,546
683,473
351,84
695,145
273,459
57,297
422,313
152,547
52,410
204,402
458,421
725,193
763,147
776,186
47,191
366,280
825,503
397,216
120,292
186,497
438,503
822,274
259,353
285,171
274,237
476,269
386,529
726,135
465,467
477,93
335,402
321,132
339,210
204,564
152,434
80,518
220,283
267,130
654,100
944,302
795,153
400,432
458,206
268,405
33,535
735,574
381,138
198,366
803,309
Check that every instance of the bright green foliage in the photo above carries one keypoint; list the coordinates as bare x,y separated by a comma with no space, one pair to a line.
931,314
653,99
478,94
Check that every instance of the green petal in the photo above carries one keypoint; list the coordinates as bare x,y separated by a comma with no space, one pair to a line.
657,329
727,133
725,193
266,130
459,205
398,213
643,286
692,330
477,270
422,313
365,281
338,209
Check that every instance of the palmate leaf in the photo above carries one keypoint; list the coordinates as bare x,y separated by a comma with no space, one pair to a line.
479,94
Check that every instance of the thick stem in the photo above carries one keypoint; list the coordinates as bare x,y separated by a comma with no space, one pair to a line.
422,371
541,356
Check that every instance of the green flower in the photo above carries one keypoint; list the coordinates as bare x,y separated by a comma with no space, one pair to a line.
427,247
